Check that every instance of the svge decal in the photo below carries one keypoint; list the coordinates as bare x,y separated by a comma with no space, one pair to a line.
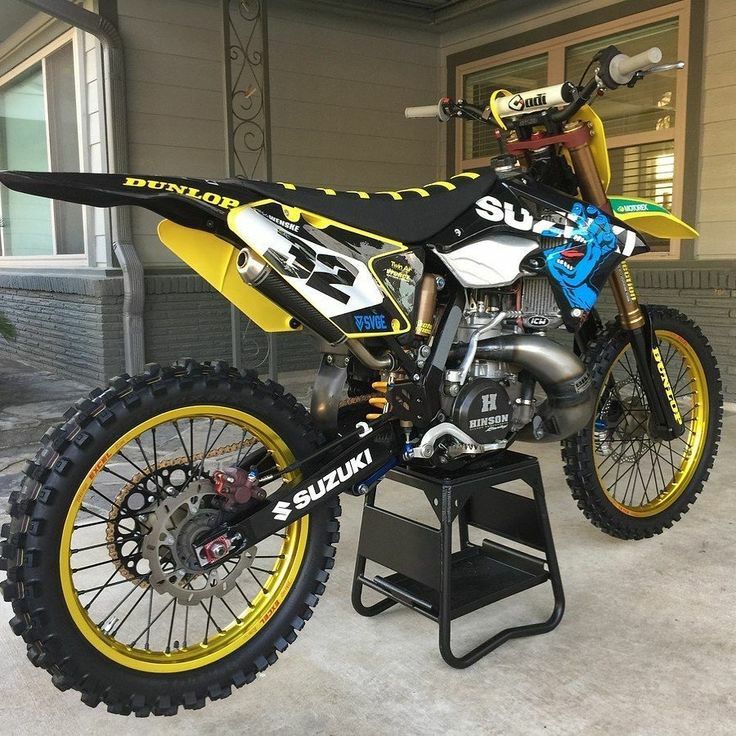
370,322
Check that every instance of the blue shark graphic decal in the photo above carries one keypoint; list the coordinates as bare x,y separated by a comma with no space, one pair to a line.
589,244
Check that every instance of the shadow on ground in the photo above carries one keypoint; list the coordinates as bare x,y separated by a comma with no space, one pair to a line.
647,646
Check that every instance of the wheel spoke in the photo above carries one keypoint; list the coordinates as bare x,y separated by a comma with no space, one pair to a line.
121,505
119,603
183,446
635,469
208,611
132,608
247,600
253,575
98,587
171,627
97,594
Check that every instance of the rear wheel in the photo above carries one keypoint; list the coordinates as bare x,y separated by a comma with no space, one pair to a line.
107,592
626,482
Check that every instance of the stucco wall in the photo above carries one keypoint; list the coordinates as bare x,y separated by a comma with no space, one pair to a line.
339,85
174,64
716,212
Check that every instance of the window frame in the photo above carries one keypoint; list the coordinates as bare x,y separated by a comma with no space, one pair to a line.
55,259
555,49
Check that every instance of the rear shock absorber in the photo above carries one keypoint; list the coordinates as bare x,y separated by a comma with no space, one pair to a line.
379,402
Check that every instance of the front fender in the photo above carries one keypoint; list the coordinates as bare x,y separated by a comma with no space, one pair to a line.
650,218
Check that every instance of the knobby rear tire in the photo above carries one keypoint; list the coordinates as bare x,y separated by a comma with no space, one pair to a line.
30,547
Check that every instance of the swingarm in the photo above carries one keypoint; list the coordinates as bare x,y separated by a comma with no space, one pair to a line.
375,449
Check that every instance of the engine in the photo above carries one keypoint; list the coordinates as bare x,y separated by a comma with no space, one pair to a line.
498,358
486,398
482,409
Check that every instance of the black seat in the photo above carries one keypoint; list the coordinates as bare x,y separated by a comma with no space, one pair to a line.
408,215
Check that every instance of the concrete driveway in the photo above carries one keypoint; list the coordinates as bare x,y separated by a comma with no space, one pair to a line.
647,646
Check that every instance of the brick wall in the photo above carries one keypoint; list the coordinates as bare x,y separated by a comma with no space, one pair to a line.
186,317
71,325
706,294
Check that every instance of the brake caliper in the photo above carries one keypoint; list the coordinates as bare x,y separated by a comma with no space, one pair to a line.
237,486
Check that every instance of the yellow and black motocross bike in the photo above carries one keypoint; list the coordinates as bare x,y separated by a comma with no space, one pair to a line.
173,535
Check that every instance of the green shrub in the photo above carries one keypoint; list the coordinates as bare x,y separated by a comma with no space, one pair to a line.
6,329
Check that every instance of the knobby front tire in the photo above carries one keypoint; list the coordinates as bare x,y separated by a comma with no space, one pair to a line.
147,439
626,483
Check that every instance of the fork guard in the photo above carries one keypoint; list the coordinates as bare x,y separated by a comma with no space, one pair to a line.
666,421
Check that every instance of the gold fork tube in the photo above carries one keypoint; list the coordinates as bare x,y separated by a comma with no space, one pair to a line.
622,283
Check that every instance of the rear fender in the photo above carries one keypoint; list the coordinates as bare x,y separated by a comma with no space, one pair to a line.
194,203
215,261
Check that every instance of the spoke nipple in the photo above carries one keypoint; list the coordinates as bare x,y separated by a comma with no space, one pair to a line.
109,625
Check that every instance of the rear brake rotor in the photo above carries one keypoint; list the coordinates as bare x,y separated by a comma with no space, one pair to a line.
128,517
176,526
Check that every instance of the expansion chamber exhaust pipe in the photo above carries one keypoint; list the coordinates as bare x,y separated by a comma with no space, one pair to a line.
570,398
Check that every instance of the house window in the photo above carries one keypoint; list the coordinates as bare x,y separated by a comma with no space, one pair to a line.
39,132
514,76
644,125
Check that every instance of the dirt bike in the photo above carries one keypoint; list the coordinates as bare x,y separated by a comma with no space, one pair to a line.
174,534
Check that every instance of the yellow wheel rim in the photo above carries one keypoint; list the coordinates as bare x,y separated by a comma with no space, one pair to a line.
644,477
221,639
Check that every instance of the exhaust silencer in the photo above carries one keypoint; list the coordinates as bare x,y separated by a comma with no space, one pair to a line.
251,268
256,272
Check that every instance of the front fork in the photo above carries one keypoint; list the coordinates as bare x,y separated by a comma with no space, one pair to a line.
666,421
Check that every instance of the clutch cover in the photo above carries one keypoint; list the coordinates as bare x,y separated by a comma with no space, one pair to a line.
482,409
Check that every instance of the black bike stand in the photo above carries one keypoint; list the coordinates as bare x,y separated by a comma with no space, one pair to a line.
432,580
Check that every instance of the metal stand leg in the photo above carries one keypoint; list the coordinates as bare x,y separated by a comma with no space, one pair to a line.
357,592
443,585
445,622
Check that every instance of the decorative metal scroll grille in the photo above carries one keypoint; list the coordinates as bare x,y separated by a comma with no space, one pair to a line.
246,79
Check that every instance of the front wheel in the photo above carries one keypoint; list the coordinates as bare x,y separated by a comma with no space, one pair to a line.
626,482
107,592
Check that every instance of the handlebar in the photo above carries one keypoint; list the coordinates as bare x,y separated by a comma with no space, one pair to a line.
614,70
440,111
621,68
425,111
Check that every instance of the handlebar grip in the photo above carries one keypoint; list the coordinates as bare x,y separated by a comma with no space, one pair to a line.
624,67
425,111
